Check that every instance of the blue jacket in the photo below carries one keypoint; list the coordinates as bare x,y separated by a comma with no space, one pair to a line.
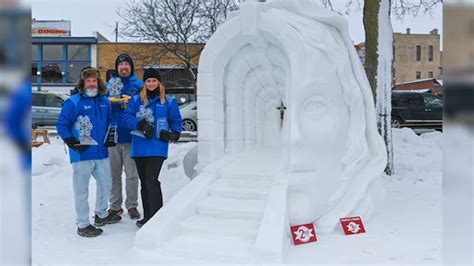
131,87
18,120
168,112
99,112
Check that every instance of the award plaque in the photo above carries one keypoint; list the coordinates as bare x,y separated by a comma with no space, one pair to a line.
84,126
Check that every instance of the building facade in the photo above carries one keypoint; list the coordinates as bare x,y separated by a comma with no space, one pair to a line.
57,57
415,56
177,80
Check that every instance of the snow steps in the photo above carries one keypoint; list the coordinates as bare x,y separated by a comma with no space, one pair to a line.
241,228
208,247
241,188
224,207
244,176
226,224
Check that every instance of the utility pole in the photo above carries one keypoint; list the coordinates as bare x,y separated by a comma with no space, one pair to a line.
116,31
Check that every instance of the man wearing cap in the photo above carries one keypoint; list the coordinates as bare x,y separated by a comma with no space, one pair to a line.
82,125
121,87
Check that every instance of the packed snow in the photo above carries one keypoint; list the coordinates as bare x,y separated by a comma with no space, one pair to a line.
405,229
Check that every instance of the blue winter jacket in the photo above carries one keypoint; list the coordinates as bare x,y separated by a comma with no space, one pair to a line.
18,120
168,112
99,112
131,87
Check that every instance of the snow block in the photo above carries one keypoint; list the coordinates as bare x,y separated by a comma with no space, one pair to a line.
211,135
214,109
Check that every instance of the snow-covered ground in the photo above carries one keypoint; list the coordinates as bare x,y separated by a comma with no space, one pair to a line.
406,230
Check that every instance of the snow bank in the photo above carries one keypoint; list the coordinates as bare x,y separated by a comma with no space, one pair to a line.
424,149
49,156
406,231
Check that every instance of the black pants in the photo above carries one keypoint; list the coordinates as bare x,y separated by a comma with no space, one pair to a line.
148,171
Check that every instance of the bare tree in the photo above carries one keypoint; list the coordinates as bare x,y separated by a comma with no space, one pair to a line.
178,25
402,8
378,51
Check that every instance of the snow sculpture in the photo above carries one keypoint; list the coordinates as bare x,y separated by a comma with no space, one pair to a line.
296,54
278,81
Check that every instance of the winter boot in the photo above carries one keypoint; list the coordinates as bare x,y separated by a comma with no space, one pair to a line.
141,222
116,212
89,231
110,219
134,214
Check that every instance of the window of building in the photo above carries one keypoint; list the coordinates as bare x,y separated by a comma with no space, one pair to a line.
430,74
52,52
178,82
74,71
418,53
59,63
177,78
430,53
78,52
34,52
52,73
418,75
34,72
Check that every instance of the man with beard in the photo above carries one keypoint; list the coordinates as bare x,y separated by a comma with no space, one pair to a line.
121,87
82,125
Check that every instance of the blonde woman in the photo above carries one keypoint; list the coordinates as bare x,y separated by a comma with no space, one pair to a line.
155,120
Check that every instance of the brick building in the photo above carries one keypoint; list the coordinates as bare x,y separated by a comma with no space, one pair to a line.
415,56
177,80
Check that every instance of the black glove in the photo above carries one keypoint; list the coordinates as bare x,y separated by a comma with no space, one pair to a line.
169,135
110,144
145,128
71,143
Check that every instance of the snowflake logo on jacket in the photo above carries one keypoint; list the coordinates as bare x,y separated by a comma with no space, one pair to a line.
146,113
115,87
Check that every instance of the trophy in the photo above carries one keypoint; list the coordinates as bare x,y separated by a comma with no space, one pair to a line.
162,124
84,126
143,113
111,135
115,86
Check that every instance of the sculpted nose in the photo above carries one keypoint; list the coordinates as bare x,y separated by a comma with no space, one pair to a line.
295,131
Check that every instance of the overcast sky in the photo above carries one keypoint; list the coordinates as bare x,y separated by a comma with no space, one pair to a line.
87,16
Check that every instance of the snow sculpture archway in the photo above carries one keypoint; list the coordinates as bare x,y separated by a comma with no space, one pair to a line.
321,162
275,53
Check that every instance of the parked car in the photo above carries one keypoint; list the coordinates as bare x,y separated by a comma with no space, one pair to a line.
189,115
416,110
46,107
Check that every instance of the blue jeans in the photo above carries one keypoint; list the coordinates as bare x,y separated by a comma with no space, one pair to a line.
82,171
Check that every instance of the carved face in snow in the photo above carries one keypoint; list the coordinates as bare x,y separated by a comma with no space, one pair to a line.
317,143
334,152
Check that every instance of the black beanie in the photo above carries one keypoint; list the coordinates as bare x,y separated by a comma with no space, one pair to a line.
124,58
151,73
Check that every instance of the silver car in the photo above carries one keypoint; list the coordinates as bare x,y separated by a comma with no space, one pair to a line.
189,115
46,107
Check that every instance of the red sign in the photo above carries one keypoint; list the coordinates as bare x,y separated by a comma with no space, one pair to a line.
303,234
352,225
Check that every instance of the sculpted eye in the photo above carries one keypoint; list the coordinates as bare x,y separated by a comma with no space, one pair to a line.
315,106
